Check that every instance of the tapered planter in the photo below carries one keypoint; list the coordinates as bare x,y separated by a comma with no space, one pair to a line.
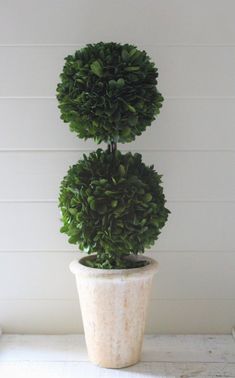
114,305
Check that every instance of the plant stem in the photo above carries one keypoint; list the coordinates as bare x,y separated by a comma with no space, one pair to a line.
112,146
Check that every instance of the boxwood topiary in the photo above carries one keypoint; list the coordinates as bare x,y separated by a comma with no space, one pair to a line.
108,92
112,204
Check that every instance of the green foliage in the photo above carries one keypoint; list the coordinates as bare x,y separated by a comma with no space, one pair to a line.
112,204
108,92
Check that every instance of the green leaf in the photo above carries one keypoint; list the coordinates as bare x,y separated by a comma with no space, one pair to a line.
114,203
120,209
90,199
148,197
121,170
97,68
73,211
126,132
120,83
109,192
92,205
131,108
63,229
132,120
73,239
132,69
155,222
112,83
125,55
132,52
103,181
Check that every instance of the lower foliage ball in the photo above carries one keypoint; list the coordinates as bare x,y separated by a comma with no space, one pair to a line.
113,205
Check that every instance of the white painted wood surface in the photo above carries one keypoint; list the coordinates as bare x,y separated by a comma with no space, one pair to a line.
151,22
164,315
184,124
192,226
181,275
195,71
191,144
163,356
189,175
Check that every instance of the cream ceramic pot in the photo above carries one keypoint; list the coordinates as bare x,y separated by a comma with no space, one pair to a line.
114,305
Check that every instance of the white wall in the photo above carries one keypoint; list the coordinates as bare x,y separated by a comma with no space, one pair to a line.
192,145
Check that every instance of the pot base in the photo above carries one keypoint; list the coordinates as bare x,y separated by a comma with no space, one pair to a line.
105,365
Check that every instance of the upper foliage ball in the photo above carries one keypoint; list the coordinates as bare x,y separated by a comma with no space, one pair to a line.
108,92
112,204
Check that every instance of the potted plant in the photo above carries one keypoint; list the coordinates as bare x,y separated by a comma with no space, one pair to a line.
112,204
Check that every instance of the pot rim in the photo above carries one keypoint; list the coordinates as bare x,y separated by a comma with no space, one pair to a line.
77,267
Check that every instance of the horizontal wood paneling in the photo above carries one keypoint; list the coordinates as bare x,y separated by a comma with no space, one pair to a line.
191,144
191,226
184,71
35,124
187,175
188,124
151,21
181,275
164,316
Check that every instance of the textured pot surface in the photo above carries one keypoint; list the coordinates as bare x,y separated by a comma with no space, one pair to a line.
114,305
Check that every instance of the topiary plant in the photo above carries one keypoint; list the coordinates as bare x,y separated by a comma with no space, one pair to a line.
112,204
108,92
